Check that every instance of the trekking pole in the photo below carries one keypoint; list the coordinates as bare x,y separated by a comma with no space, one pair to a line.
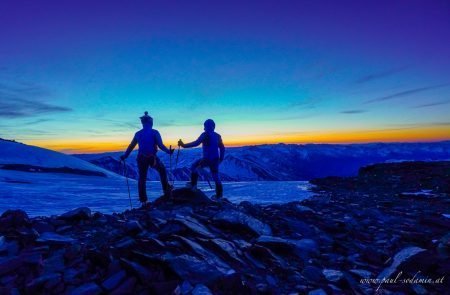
176,165
207,178
125,173
170,161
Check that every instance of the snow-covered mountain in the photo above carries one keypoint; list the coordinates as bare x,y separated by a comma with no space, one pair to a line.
42,181
15,156
286,161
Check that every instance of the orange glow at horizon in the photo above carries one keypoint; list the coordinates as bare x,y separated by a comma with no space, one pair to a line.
420,134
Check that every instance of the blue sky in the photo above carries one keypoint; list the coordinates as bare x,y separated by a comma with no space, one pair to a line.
75,75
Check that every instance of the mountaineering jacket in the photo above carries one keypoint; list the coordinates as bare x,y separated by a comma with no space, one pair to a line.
148,140
211,144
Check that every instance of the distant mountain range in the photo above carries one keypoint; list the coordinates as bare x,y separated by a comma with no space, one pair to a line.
248,163
286,161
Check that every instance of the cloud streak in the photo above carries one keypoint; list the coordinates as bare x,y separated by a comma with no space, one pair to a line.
352,112
380,75
22,108
405,93
432,104
26,100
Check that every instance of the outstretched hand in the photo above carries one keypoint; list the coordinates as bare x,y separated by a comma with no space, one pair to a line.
180,143
171,151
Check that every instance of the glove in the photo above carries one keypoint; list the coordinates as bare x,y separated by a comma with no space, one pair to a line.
180,143
171,151
123,157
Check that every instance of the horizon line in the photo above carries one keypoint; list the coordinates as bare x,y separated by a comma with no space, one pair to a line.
77,151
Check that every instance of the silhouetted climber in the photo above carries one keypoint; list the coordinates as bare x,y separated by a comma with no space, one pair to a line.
148,140
213,154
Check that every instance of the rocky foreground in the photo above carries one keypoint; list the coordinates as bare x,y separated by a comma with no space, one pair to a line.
391,218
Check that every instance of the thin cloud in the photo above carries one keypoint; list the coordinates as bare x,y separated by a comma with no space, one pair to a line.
351,112
26,108
26,100
432,104
380,75
305,104
115,123
440,124
38,121
405,93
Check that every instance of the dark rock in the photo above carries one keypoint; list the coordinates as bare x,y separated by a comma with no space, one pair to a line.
399,258
39,282
274,241
305,248
444,246
33,258
144,275
11,219
195,226
42,226
208,256
266,256
70,274
317,292
229,248
98,258
125,243
441,222
271,280
126,287
240,220
8,265
63,229
184,196
114,281
304,209
27,235
87,289
82,213
362,273
201,290
300,227
133,227
9,248
235,283
193,269
313,274
184,289
54,239
167,287
333,275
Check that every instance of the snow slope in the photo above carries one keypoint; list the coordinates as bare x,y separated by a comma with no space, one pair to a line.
15,155
49,193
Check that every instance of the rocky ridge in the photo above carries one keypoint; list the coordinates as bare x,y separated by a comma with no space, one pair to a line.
390,218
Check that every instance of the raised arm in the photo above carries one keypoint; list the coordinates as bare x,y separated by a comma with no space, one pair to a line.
194,143
160,143
130,148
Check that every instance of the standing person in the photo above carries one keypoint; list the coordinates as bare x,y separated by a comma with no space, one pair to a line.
213,154
148,140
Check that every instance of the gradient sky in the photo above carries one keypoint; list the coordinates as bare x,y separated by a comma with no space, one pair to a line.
76,75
